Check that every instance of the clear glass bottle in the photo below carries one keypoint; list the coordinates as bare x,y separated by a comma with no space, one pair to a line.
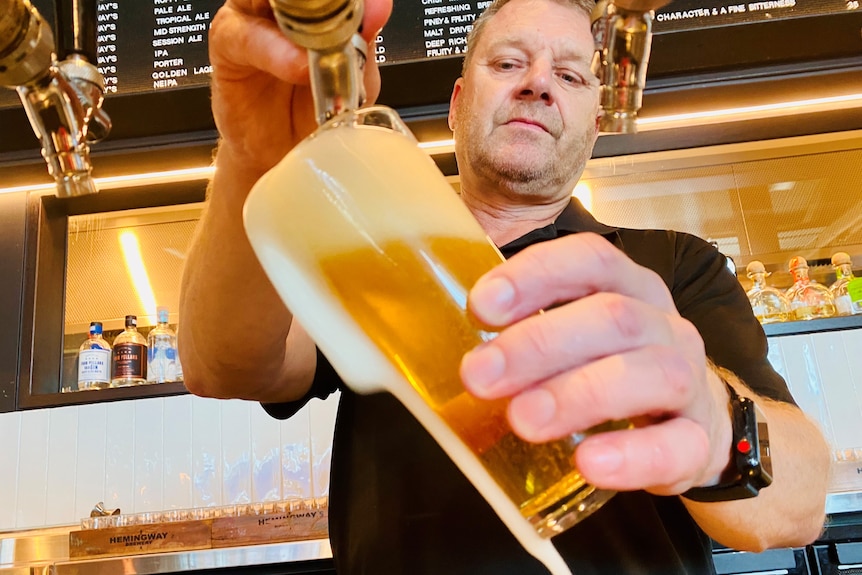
130,356
768,303
809,299
844,275
162,360
94,360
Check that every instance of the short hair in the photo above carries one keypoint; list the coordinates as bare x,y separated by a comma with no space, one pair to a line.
481,22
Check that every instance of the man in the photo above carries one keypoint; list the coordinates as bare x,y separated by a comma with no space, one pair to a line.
619,340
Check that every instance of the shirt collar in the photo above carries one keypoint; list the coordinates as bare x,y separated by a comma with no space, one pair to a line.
573,219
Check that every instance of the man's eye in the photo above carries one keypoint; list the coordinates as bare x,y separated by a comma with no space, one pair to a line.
570,78
506,65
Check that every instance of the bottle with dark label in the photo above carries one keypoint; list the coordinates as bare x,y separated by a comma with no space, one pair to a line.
129,361
94,360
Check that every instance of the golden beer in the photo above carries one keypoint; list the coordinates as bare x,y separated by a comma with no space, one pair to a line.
415,312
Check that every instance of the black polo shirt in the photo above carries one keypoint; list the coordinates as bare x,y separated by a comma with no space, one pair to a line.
398,505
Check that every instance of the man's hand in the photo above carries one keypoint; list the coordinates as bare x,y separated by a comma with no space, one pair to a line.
261,96
618,349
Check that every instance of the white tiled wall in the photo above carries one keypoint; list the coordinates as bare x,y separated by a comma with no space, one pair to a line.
154,454
824,373
186,451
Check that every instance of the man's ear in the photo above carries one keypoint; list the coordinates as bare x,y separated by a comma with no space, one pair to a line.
456,91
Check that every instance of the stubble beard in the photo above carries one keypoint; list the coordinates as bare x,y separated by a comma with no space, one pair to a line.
535,177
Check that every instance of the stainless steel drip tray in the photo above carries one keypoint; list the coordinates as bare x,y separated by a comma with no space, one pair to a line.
24,549
29,570
46,552
843,502
224,558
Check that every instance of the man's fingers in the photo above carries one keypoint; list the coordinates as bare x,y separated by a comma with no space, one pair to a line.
252,39
562,270
242,43
665,458
376,15
567,337
647,381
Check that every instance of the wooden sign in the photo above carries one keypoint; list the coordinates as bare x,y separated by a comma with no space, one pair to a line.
140,539
271,527
296,525
846,476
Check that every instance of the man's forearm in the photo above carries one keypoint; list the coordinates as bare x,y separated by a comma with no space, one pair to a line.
234,325
791,511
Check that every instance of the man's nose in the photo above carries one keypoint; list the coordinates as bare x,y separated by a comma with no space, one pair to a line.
537,82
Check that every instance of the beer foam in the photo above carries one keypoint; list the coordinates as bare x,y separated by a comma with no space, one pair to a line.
342,189
377,184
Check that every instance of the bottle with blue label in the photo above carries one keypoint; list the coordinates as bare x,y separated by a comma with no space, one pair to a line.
94,360
163,361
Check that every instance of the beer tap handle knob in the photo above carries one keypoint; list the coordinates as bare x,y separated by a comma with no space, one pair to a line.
76,29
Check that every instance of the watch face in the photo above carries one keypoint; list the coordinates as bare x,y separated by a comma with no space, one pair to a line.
765,455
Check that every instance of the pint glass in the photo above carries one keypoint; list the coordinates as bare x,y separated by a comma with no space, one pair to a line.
374,254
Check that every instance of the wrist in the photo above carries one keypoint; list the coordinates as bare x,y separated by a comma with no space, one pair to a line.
234,164
751,462
722,466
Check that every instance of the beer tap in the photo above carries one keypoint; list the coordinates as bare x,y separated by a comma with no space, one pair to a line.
336,52
59,86
623,34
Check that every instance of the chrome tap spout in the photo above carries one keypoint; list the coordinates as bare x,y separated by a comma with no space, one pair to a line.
623,40
336,53
62,100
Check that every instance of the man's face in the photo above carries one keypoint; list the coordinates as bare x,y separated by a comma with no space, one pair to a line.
524,114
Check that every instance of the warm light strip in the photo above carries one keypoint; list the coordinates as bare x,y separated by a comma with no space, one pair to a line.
137,271
809,106
130,180
438,147
704,117
447,146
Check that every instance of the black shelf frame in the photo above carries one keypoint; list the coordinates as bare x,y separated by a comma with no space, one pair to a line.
35,401
43,303
839,323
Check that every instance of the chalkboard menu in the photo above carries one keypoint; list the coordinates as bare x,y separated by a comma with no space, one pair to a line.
425,29
153,45
147,45
156,45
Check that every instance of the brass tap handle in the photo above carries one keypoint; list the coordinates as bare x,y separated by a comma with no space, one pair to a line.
623,40
336,53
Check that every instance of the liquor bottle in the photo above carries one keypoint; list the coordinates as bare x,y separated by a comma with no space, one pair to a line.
808,298
94,360
162,361
130,356
840,289
768,303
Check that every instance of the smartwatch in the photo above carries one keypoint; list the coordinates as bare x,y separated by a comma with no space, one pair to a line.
750,468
